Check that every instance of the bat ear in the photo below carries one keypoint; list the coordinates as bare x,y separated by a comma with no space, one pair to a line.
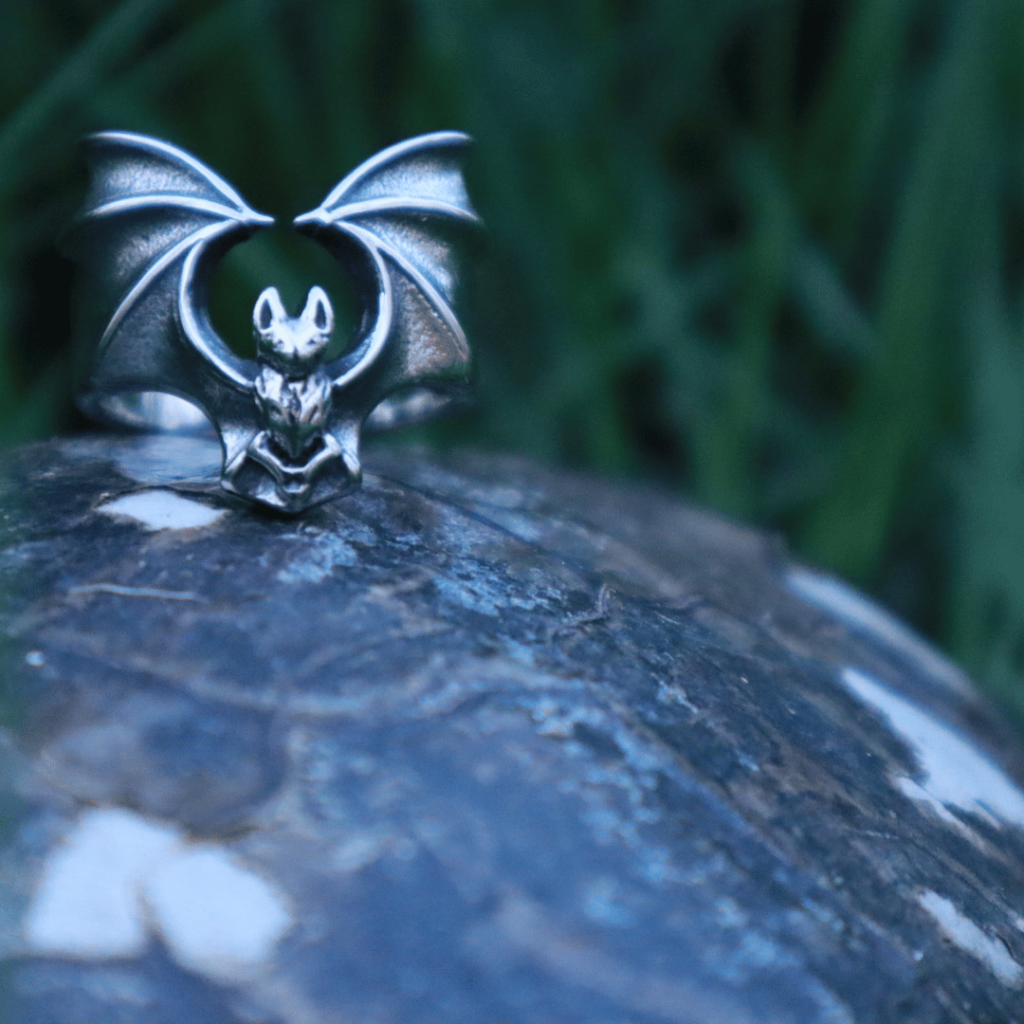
269,310
318,310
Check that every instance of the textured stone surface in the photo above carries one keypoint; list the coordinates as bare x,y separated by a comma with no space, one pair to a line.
478,743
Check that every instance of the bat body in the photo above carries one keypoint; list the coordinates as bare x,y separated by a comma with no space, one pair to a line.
155,224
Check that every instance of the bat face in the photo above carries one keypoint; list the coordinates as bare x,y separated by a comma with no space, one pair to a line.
292,345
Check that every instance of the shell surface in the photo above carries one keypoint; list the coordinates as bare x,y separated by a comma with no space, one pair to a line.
480,742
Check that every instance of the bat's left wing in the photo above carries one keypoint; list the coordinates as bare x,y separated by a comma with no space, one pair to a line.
156,222
393,224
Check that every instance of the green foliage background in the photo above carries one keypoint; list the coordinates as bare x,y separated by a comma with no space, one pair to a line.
770,252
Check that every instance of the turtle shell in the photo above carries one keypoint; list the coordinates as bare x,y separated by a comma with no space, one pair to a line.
479,743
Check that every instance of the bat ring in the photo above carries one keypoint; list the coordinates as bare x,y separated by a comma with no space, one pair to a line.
155,224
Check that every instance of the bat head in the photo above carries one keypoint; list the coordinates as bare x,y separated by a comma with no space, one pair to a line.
293,345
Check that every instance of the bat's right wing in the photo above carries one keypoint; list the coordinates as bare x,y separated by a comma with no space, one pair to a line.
393,224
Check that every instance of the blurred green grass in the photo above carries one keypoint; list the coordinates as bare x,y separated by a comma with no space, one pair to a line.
768,252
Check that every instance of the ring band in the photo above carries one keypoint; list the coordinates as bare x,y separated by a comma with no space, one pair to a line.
165,413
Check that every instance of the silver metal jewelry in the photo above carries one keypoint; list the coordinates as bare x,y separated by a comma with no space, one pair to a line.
155,224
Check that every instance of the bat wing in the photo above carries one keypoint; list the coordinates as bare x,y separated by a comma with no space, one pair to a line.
155,223
390,223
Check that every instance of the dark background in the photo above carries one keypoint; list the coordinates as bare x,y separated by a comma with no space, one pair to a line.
767,252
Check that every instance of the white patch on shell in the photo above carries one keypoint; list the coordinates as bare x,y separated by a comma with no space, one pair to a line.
955,771
162,510
217,917
117,875
87,903
966,935
909,788
856,610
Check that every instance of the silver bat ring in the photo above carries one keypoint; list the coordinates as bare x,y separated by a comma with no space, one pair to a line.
155,224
